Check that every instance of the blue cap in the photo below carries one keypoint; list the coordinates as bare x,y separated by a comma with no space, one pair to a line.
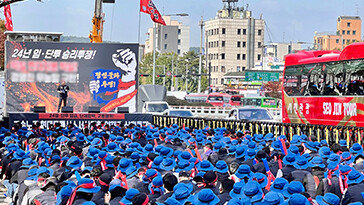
328,199
205,197
292,188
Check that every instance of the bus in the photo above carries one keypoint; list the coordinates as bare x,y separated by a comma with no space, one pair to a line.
219,99
196,98
263,102
235,100
324,87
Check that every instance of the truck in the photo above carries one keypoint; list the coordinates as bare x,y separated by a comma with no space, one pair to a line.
152,100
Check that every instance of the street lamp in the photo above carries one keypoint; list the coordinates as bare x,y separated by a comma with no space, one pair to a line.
155,40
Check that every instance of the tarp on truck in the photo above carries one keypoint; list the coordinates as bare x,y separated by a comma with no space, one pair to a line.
150,93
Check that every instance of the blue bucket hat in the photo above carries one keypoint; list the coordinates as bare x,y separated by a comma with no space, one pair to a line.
292,188
289,159
32,174
355,177
205,197
124,164
328,199
269,137
347,158
323,143
237,191
168,164
112,147
205,166
250,154
343,143
221,166
184,156
278,185
253,191
156,185
273,198
298,199
240,152
96,142
276,145
243,171
356,149
302,163
74,162
317,162
334,158
149,175
157,162
94,189
129,196
324,152
28,162
313,146
92,152
148,148
184,166
181,192
135,156
261,179
217,147
41,170
166,152
294,150
20,155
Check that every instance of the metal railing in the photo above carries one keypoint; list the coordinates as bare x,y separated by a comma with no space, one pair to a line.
332,134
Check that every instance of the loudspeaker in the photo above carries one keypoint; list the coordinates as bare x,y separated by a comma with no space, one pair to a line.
108,1
67,109
39,109
123,110
93,109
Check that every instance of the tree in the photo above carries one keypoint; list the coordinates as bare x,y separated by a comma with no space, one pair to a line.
2,43
273,89
189,61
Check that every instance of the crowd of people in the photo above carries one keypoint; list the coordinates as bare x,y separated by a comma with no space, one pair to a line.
144,164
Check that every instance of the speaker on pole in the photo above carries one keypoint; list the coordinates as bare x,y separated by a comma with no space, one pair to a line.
123,110
39,109
67,109
93,109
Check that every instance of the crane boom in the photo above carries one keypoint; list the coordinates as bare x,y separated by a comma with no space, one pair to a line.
97,23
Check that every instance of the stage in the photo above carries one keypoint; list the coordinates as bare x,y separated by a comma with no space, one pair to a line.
78,119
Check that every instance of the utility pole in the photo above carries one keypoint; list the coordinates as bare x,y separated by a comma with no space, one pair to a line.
154,47
200,60
176,80
186,78
209,77
172,74
164,78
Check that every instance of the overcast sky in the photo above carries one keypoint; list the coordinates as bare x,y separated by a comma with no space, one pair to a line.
288,20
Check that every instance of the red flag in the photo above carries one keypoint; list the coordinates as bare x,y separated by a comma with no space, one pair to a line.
7,14
148,7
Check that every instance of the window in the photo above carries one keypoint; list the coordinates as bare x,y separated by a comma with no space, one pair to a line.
343,41
243,68
259,32
239,31
259,44
217,31
217,44
244,31
337,40
244,44
165,46
238,44
354,32
222,43
222,81
244,56
165,36
348,32
179,52
238,57
179,31
348,24
223,31
259,57
343,32
223,56
223,69
179,41
237,68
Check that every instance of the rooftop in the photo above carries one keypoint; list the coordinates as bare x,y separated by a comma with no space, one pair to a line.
349,17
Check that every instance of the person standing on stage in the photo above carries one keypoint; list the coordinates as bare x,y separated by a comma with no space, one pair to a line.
63,94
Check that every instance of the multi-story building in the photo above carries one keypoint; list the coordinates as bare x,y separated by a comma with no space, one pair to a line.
174,37
278,51
348,30
234,41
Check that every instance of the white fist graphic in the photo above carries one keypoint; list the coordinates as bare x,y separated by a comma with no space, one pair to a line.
94,86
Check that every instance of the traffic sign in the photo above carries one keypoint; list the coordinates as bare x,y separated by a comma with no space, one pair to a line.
168,73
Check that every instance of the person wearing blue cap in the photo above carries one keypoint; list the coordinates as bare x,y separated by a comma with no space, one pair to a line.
328,199
221,169
298,199
104,183
253,192
126,200
303,175
48,187
169,183
355,189
204,197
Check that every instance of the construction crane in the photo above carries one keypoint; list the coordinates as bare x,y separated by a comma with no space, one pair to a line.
98,21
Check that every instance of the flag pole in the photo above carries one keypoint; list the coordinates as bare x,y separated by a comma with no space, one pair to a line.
139,25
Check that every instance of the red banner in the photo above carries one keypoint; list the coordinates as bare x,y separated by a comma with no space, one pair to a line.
81,116
148,7
7,14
